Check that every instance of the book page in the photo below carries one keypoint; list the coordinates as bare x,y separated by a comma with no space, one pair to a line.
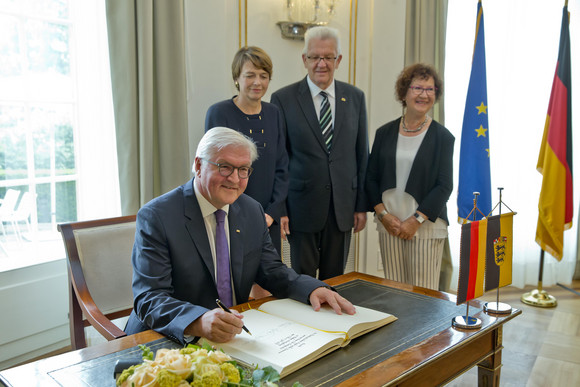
282,344
326,319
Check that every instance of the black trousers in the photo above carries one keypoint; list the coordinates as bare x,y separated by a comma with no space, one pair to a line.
325,250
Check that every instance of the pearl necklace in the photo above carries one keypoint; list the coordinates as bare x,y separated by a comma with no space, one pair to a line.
413,130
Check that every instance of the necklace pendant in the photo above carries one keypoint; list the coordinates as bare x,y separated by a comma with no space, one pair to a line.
405,129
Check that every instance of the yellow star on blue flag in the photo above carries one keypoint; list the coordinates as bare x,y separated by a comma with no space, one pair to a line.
481,131
481,109
474,170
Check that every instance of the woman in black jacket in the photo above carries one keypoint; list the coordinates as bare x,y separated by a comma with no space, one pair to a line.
409,180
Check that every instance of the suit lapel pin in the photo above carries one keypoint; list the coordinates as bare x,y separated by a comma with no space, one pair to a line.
237,230
343,99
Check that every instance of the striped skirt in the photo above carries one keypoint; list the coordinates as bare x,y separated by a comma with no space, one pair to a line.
416,261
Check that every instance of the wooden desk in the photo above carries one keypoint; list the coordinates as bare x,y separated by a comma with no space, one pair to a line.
438,358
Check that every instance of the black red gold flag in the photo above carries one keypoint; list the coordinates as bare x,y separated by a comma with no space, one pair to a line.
472,260
555,160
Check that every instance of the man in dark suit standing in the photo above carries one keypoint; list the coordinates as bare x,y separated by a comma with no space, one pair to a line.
206,240
327,141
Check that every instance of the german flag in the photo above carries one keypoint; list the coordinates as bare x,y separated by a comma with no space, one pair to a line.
499,251
472,260
555,160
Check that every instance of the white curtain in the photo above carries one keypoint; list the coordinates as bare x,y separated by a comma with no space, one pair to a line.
425,27
522,38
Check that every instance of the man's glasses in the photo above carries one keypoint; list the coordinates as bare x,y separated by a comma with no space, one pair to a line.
326,59
226,170
417,90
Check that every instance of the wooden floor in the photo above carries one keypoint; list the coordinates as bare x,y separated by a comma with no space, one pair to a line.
542,345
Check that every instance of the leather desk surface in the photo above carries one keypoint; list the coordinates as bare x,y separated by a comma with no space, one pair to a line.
410,349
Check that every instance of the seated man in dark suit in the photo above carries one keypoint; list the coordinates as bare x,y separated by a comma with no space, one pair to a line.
183,260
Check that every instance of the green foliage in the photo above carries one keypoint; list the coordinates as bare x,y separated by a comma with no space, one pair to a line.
125,374
264,376
52,145
206,346
235,375
146,352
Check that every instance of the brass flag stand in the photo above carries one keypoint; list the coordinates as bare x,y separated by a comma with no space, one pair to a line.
498,307
539,297
562,131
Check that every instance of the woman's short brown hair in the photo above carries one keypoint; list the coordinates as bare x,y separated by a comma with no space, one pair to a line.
254,54
417,70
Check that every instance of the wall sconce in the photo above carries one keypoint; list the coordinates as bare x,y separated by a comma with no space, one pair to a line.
303,14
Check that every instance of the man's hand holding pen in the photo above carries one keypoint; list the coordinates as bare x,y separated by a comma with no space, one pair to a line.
226,309
217,325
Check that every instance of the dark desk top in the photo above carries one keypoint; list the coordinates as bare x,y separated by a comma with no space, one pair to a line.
418,318
422,315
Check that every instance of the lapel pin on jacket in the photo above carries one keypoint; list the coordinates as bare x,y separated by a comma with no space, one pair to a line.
343,99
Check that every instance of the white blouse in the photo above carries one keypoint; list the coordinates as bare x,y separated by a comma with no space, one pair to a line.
398,202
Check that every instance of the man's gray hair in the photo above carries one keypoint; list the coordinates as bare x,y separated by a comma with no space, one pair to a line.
218,138
322,33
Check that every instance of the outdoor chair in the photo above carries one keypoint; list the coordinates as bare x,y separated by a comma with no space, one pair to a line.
8,206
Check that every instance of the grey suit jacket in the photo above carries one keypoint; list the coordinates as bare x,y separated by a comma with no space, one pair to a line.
315,173
173,269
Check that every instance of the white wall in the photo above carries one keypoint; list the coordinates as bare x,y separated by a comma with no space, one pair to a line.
34,300
385,61
372,59
34,303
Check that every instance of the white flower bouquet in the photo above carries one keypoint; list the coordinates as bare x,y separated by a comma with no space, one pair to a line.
193,366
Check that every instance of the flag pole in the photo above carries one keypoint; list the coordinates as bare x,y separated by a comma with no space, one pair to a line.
562,133
466,321
498,307
539,297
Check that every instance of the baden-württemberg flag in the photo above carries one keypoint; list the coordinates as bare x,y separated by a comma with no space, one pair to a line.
555,160
499,251
485,257
474,171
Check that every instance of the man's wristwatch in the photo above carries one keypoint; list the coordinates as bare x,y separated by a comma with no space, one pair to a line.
382,215
419,218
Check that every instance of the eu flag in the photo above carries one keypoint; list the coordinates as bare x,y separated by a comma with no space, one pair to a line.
474,171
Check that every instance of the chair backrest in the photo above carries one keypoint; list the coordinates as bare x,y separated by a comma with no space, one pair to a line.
25,207
9,202
100,274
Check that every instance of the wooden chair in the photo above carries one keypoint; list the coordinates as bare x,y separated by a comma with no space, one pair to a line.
100,274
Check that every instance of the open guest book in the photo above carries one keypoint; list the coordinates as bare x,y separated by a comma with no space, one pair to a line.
288,334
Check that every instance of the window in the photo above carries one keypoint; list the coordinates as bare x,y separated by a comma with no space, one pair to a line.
56,127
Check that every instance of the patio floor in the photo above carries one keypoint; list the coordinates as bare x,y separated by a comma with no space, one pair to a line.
33,248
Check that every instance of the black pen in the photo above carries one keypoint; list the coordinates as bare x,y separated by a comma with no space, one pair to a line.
226,309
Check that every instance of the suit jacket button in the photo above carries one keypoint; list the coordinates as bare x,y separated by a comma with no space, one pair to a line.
327,186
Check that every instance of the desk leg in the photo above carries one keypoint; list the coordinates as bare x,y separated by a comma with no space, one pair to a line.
488,370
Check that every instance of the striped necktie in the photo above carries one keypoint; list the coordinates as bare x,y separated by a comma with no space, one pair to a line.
326,120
